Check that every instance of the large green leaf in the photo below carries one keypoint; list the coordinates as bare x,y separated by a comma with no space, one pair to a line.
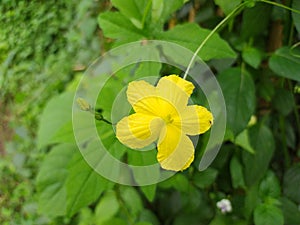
239,93
292,183
51,179
117,26
83,184
215,48
296,16
285,62
255,165
268,214
56,115
134,10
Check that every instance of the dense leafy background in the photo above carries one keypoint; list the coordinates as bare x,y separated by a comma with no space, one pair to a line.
46,46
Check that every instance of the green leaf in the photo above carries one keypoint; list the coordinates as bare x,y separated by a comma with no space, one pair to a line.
132,9
148,215
117,26
251,200
236,171
228,5
107,207
115,221
290,211
268,214
292,183
170,7
149,191
296,16
51,179
243,140
83,184
143,223
204,179
56,115
215,48
270,186
132,200
283,63
283,101
239,93
255,165
252,56
255,20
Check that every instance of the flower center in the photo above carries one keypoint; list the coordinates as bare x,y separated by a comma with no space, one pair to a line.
168,119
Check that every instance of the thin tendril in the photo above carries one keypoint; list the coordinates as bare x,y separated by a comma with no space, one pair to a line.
223,22
210,34
280,5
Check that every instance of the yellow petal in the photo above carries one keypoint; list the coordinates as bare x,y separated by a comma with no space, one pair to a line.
175,90
175,149
139,90
139,130
183,84
194,120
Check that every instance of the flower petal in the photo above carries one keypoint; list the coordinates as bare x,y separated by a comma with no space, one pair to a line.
175,90
195,120
138,91
185,85
175,149
139,130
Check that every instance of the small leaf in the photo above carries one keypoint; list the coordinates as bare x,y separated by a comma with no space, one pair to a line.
292,183
291,211
283,101
205,178
255,165
243,140
270,186
149,191
107,207
283,63
132,200
268,214
252,56
236,171
239,93
228,5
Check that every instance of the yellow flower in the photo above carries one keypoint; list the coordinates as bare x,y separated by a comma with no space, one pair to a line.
162,114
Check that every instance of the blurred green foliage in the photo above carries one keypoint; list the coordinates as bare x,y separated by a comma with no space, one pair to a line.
45,46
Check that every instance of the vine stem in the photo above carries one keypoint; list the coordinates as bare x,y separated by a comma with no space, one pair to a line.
236,10
280,5
233,12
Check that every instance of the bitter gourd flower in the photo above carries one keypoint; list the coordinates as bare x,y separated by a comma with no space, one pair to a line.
162,115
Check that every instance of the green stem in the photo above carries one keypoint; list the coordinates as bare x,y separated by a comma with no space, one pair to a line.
224,21
280,5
